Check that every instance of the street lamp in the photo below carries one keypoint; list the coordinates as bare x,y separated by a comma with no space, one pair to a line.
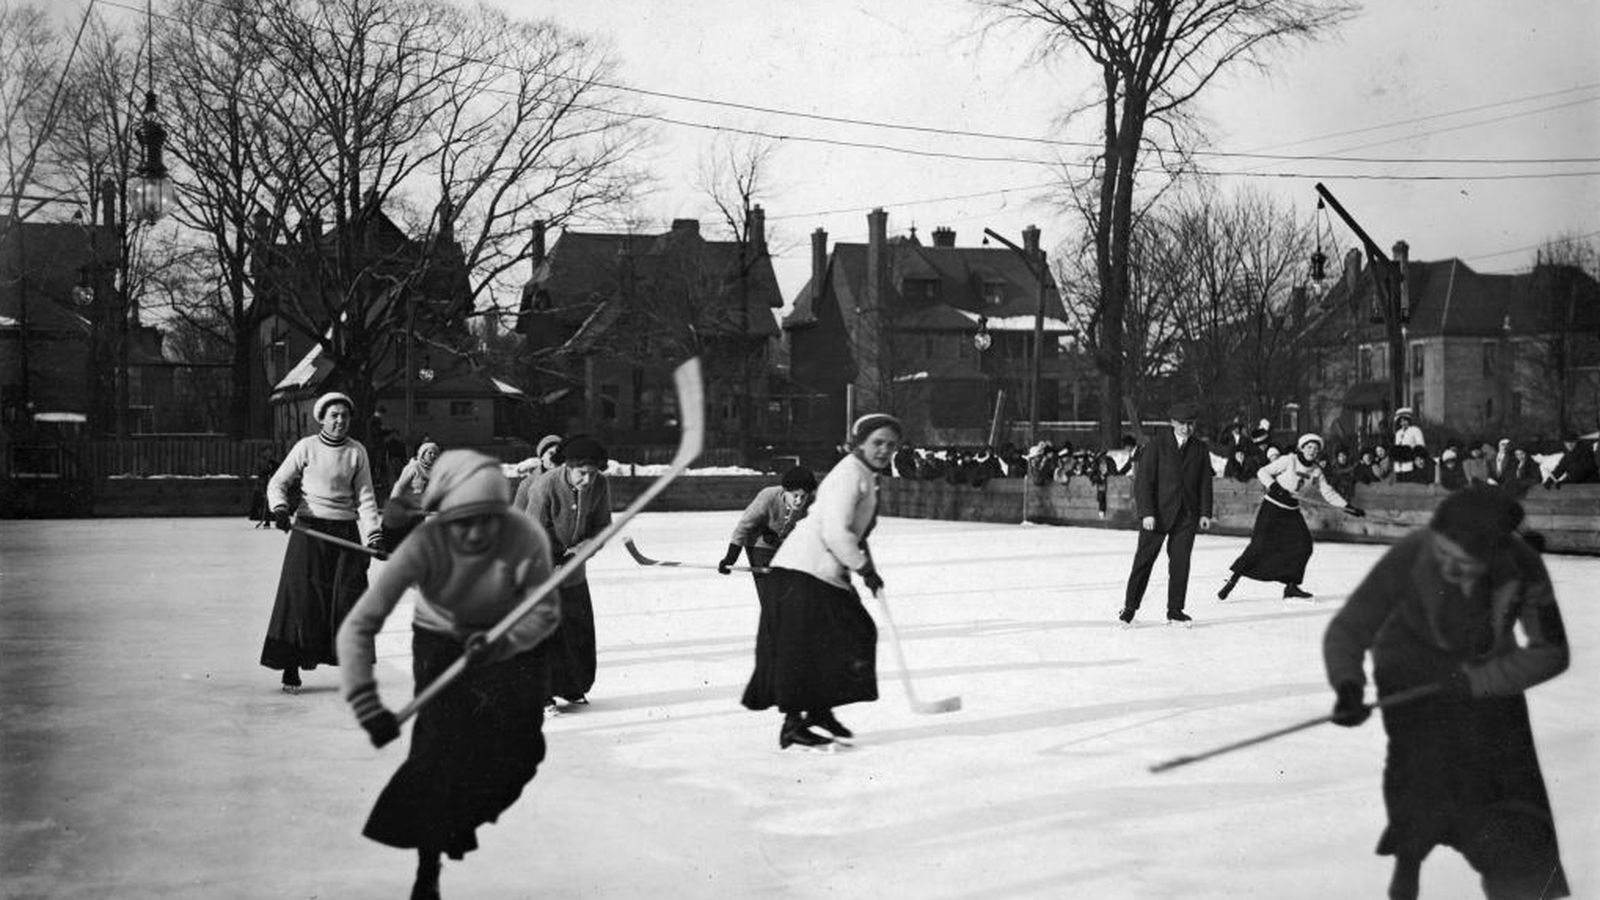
1038,271
152,189
982,340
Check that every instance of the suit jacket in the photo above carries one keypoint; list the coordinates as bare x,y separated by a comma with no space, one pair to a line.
1168,480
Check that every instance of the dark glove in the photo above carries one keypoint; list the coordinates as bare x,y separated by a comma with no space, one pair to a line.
476,648
280,518
1281,494
871,578
729,558
1457,686
1356,511
1350,709
1550,483
377,544
380,724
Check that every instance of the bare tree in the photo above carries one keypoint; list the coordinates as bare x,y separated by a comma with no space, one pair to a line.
31,59
1153,57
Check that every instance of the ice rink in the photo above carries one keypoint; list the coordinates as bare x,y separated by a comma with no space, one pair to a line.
146,754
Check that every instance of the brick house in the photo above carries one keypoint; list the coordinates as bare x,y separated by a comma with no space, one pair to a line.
1486,355
889,325
606,316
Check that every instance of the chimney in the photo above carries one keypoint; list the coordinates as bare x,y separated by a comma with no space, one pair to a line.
1402,264
447,222
536,251
1298,300
819,265
944,237
877,257
1352,269
686,226
108,202
757,220
1030,240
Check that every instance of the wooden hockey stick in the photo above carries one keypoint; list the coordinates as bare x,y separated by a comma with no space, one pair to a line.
691,407
641,559
339,541
1416,693
924,707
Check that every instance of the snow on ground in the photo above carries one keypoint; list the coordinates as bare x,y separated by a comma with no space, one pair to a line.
147,755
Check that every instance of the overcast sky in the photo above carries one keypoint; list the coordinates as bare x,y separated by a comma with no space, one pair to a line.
1465,79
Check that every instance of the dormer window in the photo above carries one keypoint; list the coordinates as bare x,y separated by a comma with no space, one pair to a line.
994,292
920,289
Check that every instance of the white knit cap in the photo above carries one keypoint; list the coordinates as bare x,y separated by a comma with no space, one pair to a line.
1307,438
329,399
1404,411
466,483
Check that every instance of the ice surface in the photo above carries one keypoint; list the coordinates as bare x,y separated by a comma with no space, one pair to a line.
146,754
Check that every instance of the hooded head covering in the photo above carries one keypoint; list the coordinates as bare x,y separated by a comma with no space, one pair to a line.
867,424
799,478
546,442
327,400
466,483
422,454
1479,517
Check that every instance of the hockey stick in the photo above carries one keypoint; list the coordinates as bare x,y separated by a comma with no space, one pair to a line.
691,407
641,559
1404,697
926,708
1313,503
339,541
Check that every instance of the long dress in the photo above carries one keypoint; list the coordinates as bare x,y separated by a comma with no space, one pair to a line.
319,581
1280,543
570,516
816,645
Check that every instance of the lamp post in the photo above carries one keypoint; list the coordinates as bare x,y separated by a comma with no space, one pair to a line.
1035,264
1394,302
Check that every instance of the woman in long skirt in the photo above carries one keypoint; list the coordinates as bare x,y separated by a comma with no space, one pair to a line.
769,518
1444,608
572,502
821,645
332,479
479,742
1280,542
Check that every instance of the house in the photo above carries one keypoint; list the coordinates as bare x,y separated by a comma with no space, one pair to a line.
1485,355
607,316
422,377
896,325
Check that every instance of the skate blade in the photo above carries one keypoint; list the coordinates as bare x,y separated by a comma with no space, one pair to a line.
1172,624
830,747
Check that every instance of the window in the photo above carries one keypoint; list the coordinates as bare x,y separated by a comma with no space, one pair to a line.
1488,408
920,289
994,292
1416,360
1416,402
1364,363
460,408
1490,358
608,401
930,346
1516,406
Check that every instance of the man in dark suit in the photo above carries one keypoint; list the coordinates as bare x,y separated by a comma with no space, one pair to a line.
1172,493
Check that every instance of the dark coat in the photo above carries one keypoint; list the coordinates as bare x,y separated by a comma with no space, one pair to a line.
1168,480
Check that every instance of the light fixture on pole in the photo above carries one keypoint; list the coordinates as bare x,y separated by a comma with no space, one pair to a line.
1319,260
982,340
1036,267
152,189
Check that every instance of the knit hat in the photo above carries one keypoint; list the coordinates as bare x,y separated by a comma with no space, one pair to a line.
422,450
1479,517
1259,436
583,449
327,400
867,424
1404,412
546,442
466,483
799,478
1308,438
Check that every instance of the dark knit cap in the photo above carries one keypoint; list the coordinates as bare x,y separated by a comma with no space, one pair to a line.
867,424
583,449
1479,517
799,478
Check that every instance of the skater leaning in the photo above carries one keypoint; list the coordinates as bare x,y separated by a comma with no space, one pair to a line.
572,502
816,646
478,743
1172,494
1442,607
1280,542
769,518
332,478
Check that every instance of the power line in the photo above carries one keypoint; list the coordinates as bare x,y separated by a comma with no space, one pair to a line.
949,132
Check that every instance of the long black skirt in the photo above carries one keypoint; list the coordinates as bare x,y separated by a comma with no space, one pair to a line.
1464,774
1280,546
473,749
816,647
761,558
317,586
572,645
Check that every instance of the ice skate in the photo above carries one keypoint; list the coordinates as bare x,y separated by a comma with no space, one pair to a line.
1126,616
1294,592
831,724
1179,617
795,734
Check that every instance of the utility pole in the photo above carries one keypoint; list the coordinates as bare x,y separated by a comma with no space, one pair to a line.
1035,264
1393,301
